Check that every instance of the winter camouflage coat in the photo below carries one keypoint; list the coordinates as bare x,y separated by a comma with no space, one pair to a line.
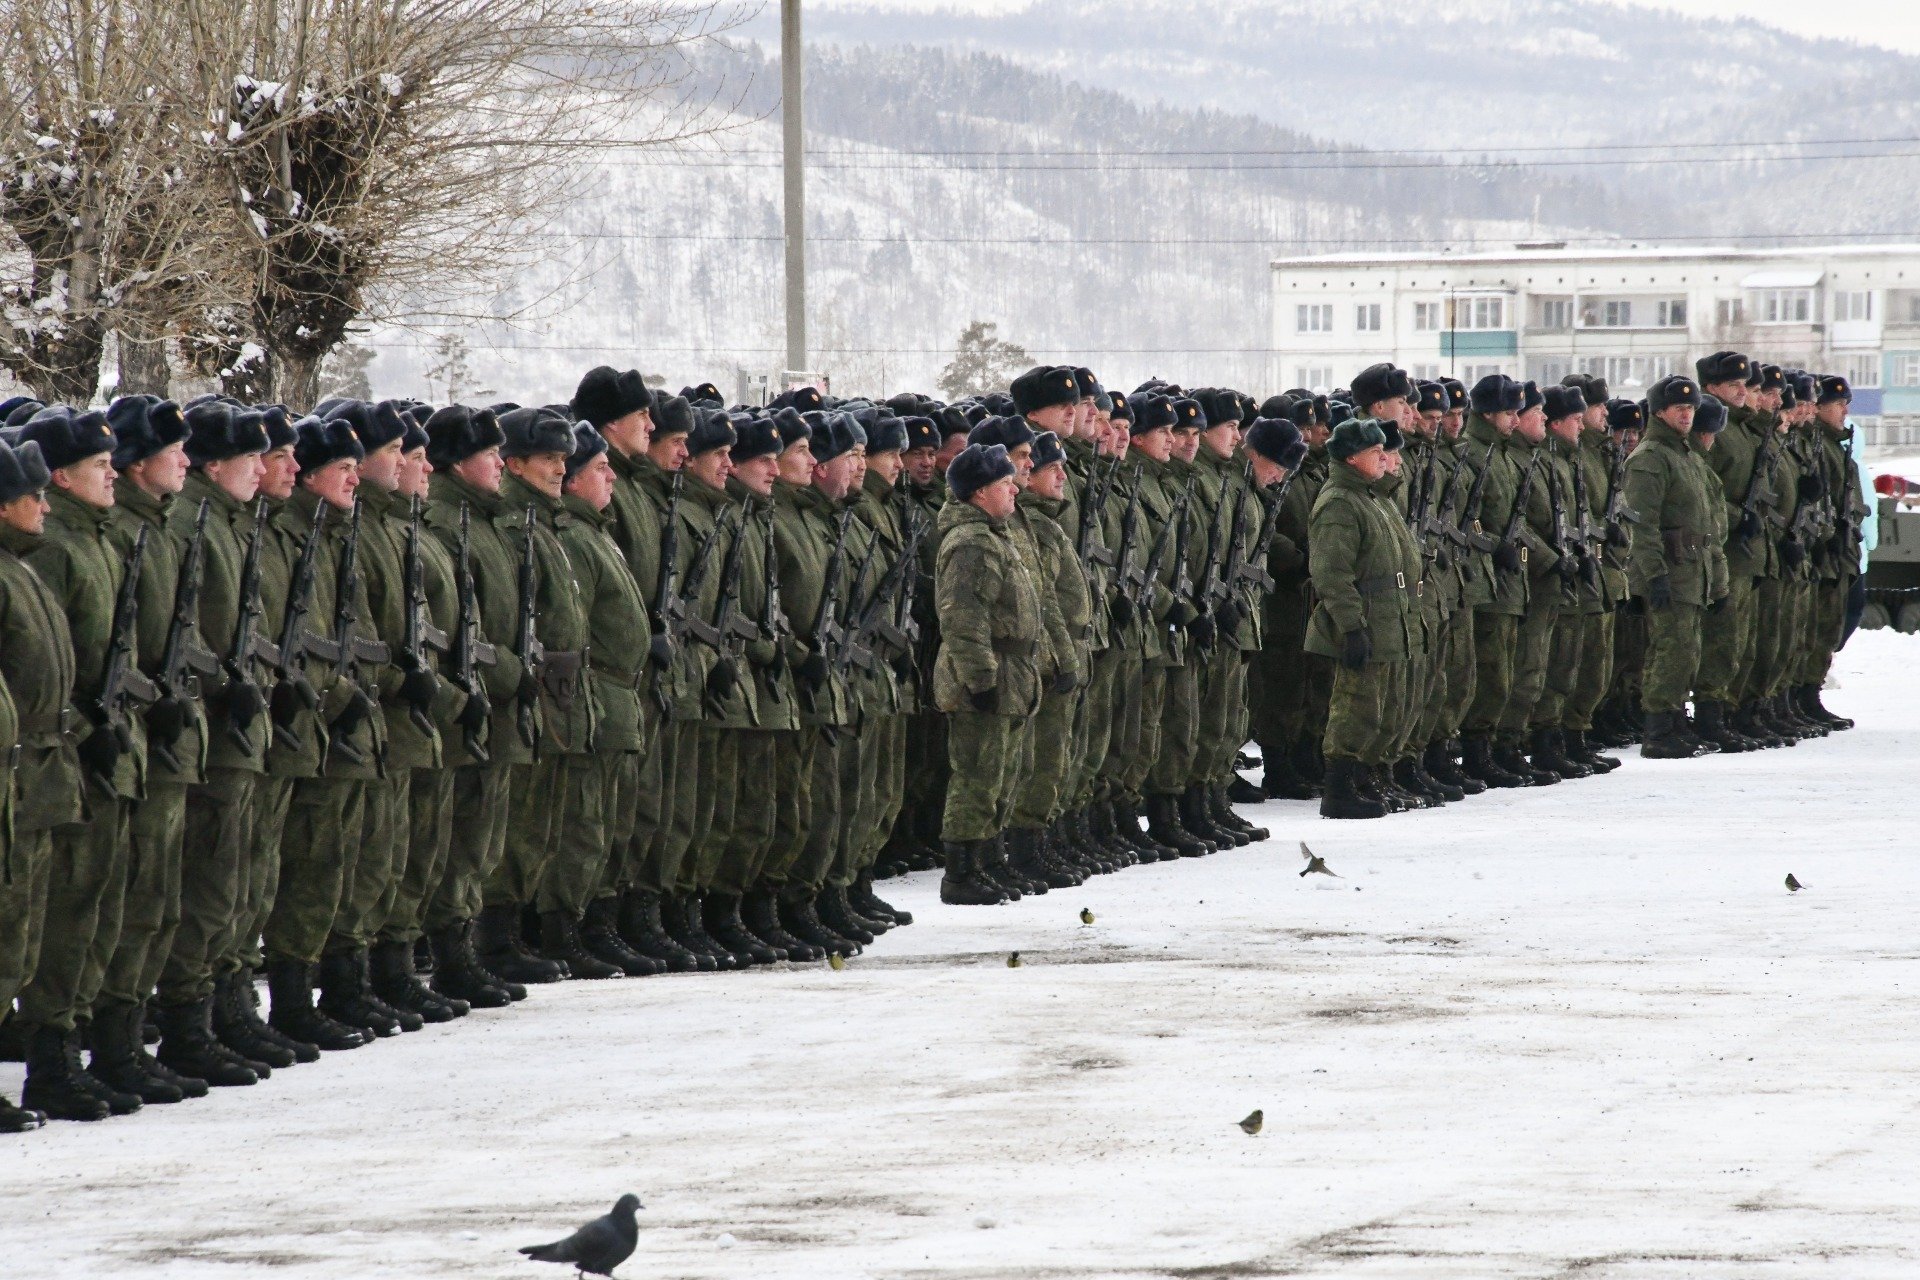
991,632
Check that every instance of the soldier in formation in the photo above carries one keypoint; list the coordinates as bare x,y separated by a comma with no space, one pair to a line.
409,708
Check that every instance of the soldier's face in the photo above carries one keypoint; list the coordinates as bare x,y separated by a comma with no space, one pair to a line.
1532,424
1731,394
381,468
1393,462
1370,462
27,513
756,473
796,463
1595,417
1316,434
1770,400
998,498
835,478
1502,421
278,469
1185,445
669,453
1266,473
334,483
1118,440
1021,455
888,465
1567,428
1156,444
1058,418
1833,415
950,447
632,434
163,473
546,472
712,467
1451,422
1050,481
593,483
482,470
90,480
414,470
239,478
1677,416
1222,440
921,464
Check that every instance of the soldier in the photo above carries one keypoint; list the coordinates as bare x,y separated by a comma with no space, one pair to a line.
1439,484
552,711
1744,462
1571,581
987,677
42,788
579,895
917,832
87,876
151,462
1606,550
1360,618
1283,674
1621,709
1674,564
1836,560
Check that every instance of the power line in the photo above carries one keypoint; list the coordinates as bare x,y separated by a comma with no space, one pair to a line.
1328,164
1277,240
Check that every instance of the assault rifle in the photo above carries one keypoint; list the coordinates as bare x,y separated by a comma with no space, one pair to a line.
1619,514
1150,577
1217,579
853,648
1100,484
1253,569
1590,534
184,655
1846,529
879,620
123,688
690,623
533,653
1522,493
244,695
1759,489
350,647
729,624
667,610
774,627
419,633
1567,546
468,651
292,691
1472,536
1126,578
829,633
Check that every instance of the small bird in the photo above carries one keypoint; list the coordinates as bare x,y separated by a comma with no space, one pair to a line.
1252,1123
598,1247
1013,961
1316,864
1086,916
834,960
1793,886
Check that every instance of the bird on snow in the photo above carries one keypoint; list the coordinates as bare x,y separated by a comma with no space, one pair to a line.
1013,961
834,961
1086,916
598,1247
1793,886
1253,1122
1316,865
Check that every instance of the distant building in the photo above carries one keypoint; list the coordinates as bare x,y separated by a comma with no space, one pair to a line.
1631,315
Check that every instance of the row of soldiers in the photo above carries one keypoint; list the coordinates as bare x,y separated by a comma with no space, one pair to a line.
631,684
1497,582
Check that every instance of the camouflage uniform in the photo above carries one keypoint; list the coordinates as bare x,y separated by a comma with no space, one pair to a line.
1676,541
1358,560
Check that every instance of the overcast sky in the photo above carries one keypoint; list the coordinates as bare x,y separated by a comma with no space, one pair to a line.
1893,23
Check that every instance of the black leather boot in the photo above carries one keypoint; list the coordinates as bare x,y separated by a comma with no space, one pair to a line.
963,885
390,966
1240,791
57,1085
724,926
600,936
1438,763
1748,723
798,917
1813,709
644,930
248,1004
290,988
1024,856
189,1086
1163,825
1477,761
1510,757
117,1050
459,975
233,1027
1222,808
1548,754
1662,739
560,941
760,911
497,940
187,1046
874,907
1710,722
1343,797
991,862
684,917
346,995
1579,748
1196,815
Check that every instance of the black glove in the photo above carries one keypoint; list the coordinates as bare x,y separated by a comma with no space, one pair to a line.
1635,606
293,694
167,720
1792,554
473,715
985,699
420,689
244,703
1617,535
1749,525
1811,487
1120,609
1228,616
660,650
353,715
1202,630
1660,592
100,751
1507,556
812,671
1356,649
1062,683
1590,572
1181,614
1718,604
722,679
1835,547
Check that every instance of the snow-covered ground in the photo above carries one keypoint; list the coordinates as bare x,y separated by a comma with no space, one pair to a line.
1578,1032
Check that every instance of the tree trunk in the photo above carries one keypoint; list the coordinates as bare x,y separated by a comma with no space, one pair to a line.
296,380
144,370
67,369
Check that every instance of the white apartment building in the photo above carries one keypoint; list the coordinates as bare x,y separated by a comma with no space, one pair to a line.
1628,314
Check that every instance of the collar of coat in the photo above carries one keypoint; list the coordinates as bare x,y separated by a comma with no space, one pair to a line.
72,513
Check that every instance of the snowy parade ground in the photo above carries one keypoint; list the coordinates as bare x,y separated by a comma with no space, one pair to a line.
1578,1032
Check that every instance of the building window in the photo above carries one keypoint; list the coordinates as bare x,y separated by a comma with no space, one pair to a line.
1903,367
1548,370
1861,368
1426,316
1853,304
1472,373
1671,313
1366,317
1426,373
1314,318
1728,313
1315,378
1785,306
1556,313
1477,313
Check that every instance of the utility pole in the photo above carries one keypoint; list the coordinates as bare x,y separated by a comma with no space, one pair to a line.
793,139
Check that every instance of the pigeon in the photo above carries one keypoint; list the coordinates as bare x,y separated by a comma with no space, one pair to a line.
1793,886
598,1247
1251,1125
1086,916
1316,864
1013,961
834,961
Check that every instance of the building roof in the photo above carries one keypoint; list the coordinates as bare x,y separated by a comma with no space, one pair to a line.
1551,251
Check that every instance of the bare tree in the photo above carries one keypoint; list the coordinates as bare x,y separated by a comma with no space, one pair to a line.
375,152
982,362
99,207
